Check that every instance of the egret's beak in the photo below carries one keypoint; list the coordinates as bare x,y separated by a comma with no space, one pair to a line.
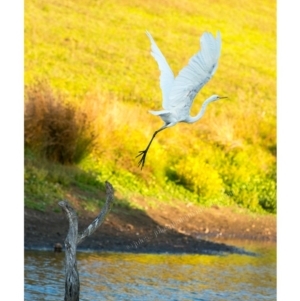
223,97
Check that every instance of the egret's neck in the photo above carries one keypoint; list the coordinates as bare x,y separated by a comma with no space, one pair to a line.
202,110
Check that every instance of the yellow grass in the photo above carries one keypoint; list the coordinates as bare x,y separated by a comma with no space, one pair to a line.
97,53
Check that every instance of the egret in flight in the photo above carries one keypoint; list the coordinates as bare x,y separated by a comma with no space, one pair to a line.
178,93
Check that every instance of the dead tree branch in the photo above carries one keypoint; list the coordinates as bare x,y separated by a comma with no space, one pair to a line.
100,218
72,283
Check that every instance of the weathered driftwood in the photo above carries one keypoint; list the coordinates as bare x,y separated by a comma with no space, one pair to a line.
72,284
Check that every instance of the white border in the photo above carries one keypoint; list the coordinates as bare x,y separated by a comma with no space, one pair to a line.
11,150
288,52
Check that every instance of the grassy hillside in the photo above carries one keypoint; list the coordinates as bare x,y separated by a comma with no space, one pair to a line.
95,57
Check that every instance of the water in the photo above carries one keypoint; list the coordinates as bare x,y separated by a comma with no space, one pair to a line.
121,276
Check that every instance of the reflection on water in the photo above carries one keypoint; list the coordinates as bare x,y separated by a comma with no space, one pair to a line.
119,276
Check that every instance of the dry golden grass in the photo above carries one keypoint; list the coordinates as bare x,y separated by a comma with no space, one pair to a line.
58,130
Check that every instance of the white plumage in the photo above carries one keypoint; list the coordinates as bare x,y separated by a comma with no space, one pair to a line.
179,93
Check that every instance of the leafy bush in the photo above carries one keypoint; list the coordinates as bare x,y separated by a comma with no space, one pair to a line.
246,180
200,177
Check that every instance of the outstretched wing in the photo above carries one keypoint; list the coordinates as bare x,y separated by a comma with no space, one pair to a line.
166,76
198,72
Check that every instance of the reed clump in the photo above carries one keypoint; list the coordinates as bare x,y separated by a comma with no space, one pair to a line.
58,130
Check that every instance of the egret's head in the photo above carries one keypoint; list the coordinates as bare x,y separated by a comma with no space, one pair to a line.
217,97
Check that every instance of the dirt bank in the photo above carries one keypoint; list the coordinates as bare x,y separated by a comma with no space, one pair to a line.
166,228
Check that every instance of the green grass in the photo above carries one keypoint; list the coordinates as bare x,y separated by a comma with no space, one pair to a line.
97,53
47,182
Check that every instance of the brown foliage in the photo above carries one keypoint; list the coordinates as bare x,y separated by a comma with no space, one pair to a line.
55,129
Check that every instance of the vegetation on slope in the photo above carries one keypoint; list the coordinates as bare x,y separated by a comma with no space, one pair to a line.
90,80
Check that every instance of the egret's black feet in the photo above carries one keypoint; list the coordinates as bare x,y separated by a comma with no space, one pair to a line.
143,159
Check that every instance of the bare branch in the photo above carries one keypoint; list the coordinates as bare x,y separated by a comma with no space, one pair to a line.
100,218
72,284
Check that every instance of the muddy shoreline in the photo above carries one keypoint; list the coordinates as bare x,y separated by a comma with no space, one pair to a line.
157,230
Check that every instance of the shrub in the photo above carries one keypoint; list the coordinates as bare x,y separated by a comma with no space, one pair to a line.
200,177
248,182
60,131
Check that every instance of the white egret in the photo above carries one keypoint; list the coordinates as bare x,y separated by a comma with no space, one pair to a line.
178,93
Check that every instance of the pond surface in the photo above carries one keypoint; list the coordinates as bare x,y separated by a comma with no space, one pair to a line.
124,276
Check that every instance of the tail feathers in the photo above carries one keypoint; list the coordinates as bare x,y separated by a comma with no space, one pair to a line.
159,113
168,118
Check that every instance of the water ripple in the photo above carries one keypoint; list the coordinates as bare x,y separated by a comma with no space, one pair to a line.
115,276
